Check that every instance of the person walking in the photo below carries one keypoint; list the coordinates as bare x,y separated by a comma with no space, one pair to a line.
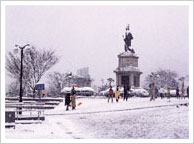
182,90
177,93
67,101
188,91
117,93
152,91
73,98
183,93
168,94
125,92
156,92
129,93
110,94
161,91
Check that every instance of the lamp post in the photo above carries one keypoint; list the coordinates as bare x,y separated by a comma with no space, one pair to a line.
110,80
154,77
21,72
68,78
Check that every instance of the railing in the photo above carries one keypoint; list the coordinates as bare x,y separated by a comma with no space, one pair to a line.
29,105
29,116
29,110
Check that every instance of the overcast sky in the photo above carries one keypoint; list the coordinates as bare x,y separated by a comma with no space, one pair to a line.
91,36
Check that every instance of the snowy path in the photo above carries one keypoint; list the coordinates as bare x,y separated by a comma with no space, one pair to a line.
152,123
138,118
120,110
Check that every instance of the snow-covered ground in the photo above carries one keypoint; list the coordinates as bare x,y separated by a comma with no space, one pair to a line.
95,118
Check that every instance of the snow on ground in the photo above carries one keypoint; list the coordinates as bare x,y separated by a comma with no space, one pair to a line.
137,118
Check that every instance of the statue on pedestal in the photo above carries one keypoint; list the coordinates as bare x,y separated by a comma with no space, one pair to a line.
127,39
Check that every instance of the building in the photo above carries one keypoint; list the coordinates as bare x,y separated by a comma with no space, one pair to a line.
82,79
83,72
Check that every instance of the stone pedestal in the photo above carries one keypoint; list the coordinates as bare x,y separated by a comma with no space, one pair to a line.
128,72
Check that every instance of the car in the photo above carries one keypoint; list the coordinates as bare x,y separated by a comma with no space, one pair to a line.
141,92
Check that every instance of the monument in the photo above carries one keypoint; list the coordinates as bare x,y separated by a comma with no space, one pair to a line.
127,72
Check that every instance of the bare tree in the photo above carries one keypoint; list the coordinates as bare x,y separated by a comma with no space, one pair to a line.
165,78
56,83
12,89
35,64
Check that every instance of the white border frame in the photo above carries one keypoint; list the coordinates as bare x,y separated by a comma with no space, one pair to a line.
3,5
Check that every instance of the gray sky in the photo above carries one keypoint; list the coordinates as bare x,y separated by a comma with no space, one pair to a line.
92,36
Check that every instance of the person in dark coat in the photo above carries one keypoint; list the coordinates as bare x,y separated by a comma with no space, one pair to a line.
110,95
156,92
129,90
67,101
188,91
73,98
125,92
177,93
168,94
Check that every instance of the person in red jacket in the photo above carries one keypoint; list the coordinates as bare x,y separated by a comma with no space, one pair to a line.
110,95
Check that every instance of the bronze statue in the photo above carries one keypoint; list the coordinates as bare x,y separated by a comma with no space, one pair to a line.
127,39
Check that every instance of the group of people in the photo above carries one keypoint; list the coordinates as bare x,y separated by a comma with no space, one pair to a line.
117,93
154,92
70,99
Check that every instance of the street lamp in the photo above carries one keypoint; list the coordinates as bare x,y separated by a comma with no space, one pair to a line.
154,76
110,80
21,71
68,77
69,81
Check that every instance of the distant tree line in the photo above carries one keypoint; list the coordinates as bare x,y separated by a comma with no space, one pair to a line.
56,82
162,77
